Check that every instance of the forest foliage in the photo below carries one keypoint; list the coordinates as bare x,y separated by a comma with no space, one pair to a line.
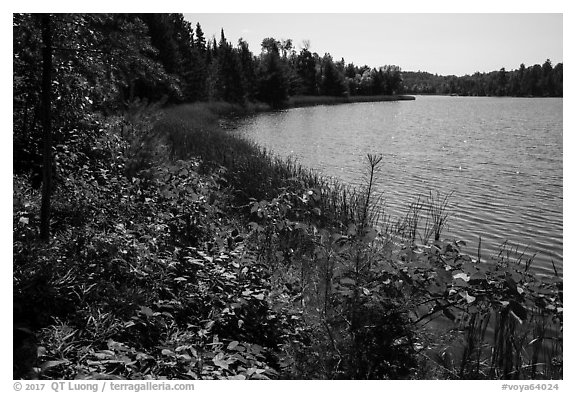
177,250
102,61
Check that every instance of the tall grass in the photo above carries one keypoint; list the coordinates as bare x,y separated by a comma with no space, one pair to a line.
262,181
496,343
303,101
253,172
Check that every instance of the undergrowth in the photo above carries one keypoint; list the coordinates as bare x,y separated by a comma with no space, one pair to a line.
181,251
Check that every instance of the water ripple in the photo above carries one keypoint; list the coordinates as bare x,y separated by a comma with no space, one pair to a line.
500,158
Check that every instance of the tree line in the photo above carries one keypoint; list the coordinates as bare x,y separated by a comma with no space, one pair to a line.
99,62
68,68
534,81
117,57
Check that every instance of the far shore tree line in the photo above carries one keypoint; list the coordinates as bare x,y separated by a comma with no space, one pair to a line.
535,81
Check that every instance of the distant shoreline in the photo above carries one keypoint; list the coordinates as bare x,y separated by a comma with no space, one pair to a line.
304,101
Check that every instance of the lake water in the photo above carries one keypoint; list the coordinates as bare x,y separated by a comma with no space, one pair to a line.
500,157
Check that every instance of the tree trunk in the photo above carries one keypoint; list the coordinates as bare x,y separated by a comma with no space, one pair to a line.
47,126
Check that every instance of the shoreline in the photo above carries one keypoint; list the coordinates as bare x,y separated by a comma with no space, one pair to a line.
262,249
305,101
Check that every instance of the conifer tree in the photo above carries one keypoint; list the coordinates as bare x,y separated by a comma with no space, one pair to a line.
200,41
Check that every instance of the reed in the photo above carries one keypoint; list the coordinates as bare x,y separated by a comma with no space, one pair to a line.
437,217
254,173
304,101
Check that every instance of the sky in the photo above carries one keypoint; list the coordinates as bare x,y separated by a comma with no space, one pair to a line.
446,44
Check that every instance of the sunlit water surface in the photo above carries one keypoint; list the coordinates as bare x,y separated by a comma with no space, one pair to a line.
500,157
